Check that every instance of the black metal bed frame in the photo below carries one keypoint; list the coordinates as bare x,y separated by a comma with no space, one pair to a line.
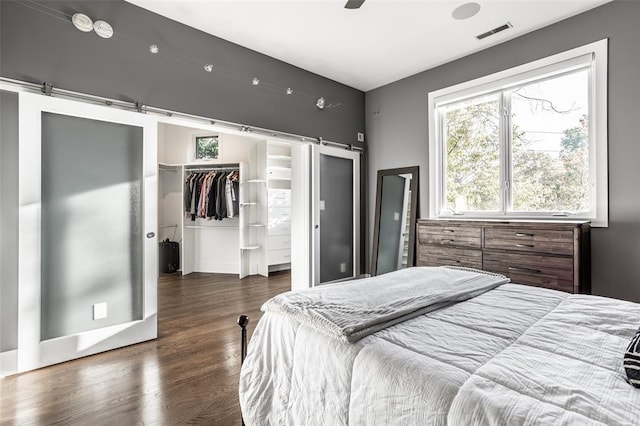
243,321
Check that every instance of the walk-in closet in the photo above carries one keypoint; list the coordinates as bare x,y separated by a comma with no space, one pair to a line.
227,204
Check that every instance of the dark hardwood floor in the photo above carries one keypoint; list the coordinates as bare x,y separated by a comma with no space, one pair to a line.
189,375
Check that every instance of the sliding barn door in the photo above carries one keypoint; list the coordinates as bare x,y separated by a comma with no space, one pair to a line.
336,214
87,222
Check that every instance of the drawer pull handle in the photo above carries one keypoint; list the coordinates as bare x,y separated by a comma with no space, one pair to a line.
521,234
448,230
525,245
442,259
446,241
519,269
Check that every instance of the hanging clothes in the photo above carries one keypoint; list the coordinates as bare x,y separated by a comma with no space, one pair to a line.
212,194
231,194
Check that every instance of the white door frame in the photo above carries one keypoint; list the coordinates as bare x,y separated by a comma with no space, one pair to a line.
31,352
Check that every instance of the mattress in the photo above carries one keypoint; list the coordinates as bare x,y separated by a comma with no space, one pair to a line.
515,355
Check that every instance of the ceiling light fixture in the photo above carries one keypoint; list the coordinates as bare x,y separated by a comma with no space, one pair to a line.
255,81
465,11
320,103
208,67
154,48
289,91
103,29
82,22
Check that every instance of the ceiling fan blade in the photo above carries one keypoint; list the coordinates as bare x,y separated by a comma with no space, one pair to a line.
353,4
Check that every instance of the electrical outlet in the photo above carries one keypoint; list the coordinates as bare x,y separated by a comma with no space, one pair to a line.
99,310
343,267
360,137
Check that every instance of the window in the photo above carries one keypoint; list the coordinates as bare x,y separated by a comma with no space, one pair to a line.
207,147
529,142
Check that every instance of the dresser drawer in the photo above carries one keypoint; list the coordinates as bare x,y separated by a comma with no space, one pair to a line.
279,197
447,256
279,228
276,257
279,214
276,242
278,172
451,236
530,240
538,270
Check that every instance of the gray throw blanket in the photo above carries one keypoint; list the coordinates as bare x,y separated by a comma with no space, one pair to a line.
351,310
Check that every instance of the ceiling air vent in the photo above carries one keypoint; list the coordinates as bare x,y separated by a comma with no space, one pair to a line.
494,31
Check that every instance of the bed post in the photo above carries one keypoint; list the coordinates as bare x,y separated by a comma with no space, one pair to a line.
243,320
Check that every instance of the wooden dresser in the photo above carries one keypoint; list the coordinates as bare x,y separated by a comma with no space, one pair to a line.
545,254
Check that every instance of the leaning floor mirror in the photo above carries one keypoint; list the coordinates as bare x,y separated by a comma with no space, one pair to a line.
395,220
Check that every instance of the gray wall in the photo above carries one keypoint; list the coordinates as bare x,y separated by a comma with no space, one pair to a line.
36,47
397,128
8,220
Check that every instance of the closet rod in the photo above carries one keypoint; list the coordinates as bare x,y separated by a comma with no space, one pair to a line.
214,169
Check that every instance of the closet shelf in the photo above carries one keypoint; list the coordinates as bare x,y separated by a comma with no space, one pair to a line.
256,181
168,226
173,168
250,248
278,157
248,204
279,178
257,225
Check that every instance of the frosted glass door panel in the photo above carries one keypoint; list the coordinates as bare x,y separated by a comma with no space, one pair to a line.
336,218
92,224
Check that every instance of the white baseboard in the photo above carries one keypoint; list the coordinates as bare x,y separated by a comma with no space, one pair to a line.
216,267
8,362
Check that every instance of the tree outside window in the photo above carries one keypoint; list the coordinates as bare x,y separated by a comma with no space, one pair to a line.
207,147
522,150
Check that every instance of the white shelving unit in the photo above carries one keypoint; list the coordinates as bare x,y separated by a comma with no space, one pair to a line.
278,174
252,221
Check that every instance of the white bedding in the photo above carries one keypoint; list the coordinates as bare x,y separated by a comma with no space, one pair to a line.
515,355
353,310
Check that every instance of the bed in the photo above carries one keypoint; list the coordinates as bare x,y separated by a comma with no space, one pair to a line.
494,353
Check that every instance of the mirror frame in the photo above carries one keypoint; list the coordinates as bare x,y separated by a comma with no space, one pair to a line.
413,213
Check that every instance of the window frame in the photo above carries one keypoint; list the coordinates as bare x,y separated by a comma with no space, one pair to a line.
592,56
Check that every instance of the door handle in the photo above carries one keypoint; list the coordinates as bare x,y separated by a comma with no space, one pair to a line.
151,234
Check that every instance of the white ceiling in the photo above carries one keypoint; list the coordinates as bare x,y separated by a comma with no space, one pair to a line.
383,41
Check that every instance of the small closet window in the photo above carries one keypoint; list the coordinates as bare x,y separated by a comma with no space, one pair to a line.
207,147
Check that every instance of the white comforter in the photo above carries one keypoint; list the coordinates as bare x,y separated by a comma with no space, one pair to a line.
353,310
516,355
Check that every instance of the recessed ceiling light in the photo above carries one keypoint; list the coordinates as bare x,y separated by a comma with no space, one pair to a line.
466,11
82,22
103,29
